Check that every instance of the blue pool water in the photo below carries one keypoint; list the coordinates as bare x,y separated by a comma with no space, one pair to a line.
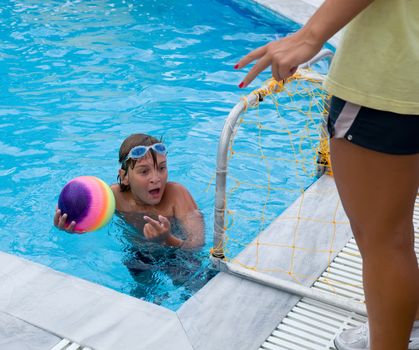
77,77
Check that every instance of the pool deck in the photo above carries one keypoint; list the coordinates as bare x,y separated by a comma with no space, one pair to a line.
39,306
47,306
298,11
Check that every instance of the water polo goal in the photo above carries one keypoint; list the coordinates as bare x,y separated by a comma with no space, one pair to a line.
307,83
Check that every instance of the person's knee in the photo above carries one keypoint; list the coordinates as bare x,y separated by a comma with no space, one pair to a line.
386,237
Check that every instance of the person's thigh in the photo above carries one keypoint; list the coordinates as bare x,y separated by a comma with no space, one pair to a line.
377,190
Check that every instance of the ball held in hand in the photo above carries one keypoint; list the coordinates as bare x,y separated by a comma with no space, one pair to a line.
88,201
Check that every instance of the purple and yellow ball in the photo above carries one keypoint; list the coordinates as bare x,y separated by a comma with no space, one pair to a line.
88,201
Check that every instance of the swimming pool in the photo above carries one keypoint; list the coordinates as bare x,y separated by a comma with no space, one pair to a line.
77,78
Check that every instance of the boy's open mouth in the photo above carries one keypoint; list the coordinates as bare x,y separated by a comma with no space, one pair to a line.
154,192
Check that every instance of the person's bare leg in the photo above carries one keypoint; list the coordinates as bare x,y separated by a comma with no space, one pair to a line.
378,192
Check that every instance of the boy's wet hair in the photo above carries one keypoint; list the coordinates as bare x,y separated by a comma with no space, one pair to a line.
129,143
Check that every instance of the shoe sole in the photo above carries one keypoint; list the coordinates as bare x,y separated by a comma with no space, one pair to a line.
337,347
415,346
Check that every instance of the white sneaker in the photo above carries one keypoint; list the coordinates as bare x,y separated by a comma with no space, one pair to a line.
358,338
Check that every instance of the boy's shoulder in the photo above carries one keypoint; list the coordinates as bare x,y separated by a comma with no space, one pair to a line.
121,201
180,196
176,187
177,192
116,189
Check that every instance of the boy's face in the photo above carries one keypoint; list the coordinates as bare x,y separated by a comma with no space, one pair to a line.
148,180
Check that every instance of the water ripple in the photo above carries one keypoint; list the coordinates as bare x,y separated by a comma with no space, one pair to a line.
79,76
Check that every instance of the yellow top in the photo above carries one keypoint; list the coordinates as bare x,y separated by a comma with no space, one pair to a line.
377,62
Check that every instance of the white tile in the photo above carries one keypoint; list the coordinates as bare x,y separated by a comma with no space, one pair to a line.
16,334
85,312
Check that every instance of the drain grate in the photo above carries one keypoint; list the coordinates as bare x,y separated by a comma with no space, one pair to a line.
66,344
312,325
344,275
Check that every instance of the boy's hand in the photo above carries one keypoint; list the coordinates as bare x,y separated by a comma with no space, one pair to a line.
59,222
157,230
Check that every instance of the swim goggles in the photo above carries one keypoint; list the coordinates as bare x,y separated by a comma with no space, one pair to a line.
140,151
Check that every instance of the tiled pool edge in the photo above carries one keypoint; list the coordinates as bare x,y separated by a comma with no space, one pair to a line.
18,334
84,312
298,11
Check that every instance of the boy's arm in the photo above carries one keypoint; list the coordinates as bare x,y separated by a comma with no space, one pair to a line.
193,224
287,54
190,218
173,241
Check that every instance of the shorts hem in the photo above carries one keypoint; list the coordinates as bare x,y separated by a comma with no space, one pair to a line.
380,149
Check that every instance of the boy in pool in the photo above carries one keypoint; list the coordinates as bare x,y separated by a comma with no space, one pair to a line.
146,200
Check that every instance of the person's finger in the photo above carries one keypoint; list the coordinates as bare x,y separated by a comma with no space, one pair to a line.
62,220
293,70
70,228
285,72
57,216
164,222
149,220
147,231
155,224
275,71
251,56
260,66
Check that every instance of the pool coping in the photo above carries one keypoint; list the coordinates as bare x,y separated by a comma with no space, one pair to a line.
298,11
50,305
85,312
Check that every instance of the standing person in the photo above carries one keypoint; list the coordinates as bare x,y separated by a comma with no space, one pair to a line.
374,126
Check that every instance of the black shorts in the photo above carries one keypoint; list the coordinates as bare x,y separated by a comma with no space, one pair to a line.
380,131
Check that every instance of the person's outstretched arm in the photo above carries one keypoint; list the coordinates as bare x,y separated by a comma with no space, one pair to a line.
287,54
